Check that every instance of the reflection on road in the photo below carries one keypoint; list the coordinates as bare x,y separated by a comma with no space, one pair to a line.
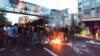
57,47
56,41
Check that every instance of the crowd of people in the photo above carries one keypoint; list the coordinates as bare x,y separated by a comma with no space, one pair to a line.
93,32
7,33
29,35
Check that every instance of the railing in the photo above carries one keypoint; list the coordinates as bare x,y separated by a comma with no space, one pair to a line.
17,11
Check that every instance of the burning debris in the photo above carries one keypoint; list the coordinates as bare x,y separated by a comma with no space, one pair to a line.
56,38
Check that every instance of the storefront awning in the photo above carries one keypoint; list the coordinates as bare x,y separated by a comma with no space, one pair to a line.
90,19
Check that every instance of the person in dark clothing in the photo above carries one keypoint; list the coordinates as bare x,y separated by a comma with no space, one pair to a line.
11,34
27,35
2,38
65,30
20,30
94,30
24,34
29,38
13,37
71,33
20,34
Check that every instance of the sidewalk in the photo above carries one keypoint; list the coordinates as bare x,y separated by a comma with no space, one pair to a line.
89,37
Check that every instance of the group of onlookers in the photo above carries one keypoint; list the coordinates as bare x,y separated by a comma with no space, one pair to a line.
1,38
71,31
29,35
8,32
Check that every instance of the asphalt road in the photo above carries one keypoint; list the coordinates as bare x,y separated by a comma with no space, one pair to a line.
73,48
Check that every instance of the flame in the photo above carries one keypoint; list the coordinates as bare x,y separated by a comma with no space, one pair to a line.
20,5
56,41
56,38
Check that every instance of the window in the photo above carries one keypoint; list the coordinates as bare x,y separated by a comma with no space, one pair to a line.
98,10
79,1
80,6
97,1
87,2
80,9
93,3
87,11
92,8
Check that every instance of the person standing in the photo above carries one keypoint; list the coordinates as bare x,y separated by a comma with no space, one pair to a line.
8,34
94,31
14,35
2,38
65,30
29,38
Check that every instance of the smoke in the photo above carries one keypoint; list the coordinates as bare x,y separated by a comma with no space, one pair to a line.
56,22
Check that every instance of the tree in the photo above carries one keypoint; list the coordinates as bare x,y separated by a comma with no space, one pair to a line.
3,19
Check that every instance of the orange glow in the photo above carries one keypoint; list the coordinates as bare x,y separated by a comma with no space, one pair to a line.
56,41
23,21
57,47
56,38
20,5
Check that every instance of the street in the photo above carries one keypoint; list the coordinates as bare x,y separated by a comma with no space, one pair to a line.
49,27
72,48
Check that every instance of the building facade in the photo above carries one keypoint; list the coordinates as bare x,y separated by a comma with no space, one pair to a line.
66,16
54,18
89,12
74,18
59,18
4,3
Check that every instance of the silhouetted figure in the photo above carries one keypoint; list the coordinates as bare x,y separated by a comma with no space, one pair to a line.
94,30
65,30
14,35
1,38
71,33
